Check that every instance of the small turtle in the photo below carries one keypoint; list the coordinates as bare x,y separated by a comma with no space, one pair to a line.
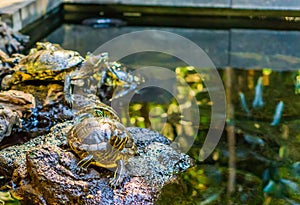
107,76
100,139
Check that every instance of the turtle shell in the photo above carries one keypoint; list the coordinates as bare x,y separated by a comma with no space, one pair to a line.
105,139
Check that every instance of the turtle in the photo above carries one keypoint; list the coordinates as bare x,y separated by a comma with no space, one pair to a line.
105,75
98,138
47,63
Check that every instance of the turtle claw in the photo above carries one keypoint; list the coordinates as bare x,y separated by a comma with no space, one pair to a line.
118,175
69,99
115,182
68,90
81,170
82,165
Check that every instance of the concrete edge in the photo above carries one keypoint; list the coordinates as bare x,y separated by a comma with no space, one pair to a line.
21,13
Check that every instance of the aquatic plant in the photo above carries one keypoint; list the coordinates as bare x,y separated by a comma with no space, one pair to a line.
258,99
278,113
244,103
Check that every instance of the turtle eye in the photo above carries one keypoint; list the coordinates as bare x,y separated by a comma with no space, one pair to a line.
99,113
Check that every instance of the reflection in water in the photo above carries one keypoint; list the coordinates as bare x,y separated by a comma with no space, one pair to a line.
297,83
259,146
244,103
278,113
258,99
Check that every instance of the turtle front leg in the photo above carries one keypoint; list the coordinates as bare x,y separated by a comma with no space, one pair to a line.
119,174
85,162
68,90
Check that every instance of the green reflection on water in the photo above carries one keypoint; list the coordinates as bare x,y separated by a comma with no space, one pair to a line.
268,170
7,199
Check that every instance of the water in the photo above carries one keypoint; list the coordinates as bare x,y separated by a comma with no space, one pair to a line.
266,155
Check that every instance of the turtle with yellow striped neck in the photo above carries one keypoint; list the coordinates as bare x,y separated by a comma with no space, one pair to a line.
99,139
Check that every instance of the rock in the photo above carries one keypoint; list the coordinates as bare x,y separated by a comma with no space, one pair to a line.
52,177
8,62
18,101
8,119
144,137
157,163
43,117
50,174
14,105
14,156
11,41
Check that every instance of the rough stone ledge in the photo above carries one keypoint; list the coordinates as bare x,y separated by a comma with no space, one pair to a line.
45,171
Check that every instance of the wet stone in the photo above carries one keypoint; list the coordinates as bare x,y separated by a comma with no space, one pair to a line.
14,106
14,156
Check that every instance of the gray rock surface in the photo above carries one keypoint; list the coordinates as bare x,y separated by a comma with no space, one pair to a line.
44,171
14,156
